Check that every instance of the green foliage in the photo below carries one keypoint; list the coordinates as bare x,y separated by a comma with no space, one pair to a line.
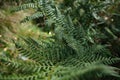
13,2
55,61
34,16
73,53
98,17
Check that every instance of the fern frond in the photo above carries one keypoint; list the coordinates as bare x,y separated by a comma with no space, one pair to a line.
22,77
26,6
30,67
55,52
33,16
27,53
86,73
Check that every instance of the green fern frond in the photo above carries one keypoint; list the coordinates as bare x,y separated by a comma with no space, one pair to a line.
55,52
86,73
26,6
25,67
33,16
22,77
27,53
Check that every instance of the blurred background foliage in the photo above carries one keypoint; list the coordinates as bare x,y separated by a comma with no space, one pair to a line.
11,28
100,17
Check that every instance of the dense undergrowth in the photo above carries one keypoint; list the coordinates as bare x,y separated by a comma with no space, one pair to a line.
63,40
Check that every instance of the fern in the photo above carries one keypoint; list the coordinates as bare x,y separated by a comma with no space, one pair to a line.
34,16
26,6
57,61
72,55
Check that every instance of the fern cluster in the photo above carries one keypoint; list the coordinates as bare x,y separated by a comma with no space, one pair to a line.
70,55
98,18
55,61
